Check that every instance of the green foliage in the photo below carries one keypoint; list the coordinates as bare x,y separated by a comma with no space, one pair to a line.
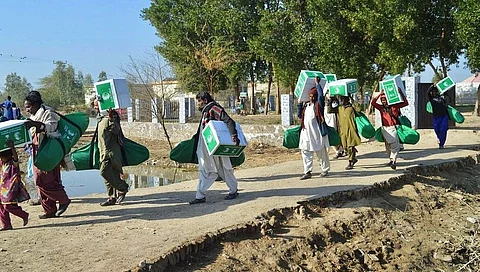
467,20
63,87
208,42
17,88
102,76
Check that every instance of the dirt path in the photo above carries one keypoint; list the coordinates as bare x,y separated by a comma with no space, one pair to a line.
154,220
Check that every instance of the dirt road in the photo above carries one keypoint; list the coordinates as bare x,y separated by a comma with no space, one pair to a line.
154,220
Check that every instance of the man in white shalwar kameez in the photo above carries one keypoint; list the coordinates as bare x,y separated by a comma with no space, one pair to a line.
211,167
311,139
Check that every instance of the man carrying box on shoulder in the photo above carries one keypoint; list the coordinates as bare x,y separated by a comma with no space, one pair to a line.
211,167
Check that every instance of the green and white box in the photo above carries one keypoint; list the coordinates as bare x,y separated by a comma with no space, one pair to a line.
331,77
445,84
219,142
343,87
306,81
14,130
391,86
113,94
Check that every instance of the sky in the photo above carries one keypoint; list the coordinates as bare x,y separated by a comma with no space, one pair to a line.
90,35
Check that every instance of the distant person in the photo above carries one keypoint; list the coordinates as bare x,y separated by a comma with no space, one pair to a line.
12,189
16,112
110,142
8,105
348,131
211,167
313,139
440,115
43,122
389,115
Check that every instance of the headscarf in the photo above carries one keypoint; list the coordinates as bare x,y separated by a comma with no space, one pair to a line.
314,92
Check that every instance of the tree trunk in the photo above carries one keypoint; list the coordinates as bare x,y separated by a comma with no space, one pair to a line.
270,79
278,102
434,69
252,96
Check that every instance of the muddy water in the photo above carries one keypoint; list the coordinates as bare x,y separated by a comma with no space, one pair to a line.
81,183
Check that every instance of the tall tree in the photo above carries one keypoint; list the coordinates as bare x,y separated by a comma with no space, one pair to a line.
63,87
102,76
16,87
88,80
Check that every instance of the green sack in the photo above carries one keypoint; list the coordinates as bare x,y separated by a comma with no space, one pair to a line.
185,152
429,107
404,121
85,158
455,115
291,137
379,135
333,137
364,127
52,150
407,135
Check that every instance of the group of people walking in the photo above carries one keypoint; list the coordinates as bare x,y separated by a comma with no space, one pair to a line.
43,122
321,112
316,116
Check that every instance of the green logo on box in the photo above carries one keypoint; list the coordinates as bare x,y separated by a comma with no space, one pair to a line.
106,97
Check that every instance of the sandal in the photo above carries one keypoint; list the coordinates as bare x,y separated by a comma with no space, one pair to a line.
197,201
121,197
231,196
109,202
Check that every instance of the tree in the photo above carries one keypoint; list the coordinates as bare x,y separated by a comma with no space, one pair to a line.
63,87
16,87
152,69
102,76
467,20
88,80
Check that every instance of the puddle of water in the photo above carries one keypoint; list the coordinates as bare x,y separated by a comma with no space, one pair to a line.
82,183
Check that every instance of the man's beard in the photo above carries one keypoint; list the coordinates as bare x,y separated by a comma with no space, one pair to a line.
200,108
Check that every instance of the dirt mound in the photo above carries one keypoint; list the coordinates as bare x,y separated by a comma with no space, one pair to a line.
431,223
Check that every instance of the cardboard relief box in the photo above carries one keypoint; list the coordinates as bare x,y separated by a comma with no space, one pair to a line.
445,84
343,87
14,130
218,140
113,94
391,86
305,82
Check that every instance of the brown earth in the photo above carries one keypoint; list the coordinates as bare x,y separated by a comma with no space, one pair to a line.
430,224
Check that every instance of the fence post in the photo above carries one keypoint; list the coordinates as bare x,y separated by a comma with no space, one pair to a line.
181,110
137,109
287,110
155,110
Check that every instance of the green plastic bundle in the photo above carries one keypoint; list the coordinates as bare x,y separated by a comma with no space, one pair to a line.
86,157
185,152
291,137
333,137
52,150
406,135
455,115
364,127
